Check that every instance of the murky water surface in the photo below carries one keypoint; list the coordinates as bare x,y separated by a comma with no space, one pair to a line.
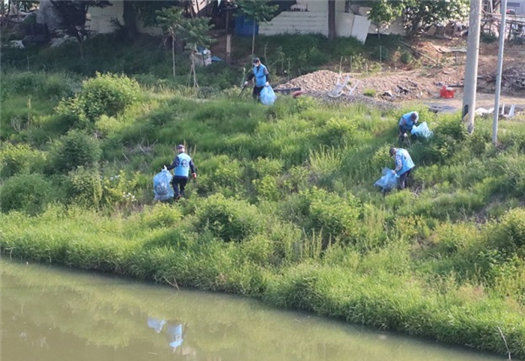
55,314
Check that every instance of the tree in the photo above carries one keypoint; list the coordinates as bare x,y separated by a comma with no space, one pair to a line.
421,14
129,15
195,33
171,20
385,11
72,17
417,14
257,11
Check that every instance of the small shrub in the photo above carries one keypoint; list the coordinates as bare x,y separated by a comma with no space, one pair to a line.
85,186
382,159
406,57
479,142
26,192
325,161
488,38
20,158
510,233
319,210
118,189
73,150
161,215
267,188
267,167
369,93
228,219
108,94
257,250
412,228
228,177
337,131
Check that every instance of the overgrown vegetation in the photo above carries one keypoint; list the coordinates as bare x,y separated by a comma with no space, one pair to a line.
149,59
283,210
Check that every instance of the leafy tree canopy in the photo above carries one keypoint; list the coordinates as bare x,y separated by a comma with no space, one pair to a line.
417,14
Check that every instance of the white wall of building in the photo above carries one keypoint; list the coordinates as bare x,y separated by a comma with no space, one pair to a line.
315,20
100,18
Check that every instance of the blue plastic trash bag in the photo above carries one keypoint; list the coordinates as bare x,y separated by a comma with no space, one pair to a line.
162,186
422,130
267,95
388,180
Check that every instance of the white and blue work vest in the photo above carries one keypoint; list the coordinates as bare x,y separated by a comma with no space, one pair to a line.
408,119
406,160
259,74
183,169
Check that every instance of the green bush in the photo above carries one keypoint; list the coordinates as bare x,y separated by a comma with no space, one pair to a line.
488,38
85,186
228,219
160,215
118,189
509,234
73,150
317,210
335,216
337,132
266,188
29,193
369,93
20,158
267,167
107,94
512,170
406,57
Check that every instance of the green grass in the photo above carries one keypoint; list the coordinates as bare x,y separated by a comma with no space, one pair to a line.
284,209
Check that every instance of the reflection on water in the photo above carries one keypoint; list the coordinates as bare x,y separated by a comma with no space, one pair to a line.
48,313
173,329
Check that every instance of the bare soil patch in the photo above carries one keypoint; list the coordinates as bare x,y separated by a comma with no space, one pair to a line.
443,64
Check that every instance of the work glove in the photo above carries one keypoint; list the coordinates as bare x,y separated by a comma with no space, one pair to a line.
194,175
267,84
393,172
164,168
245,83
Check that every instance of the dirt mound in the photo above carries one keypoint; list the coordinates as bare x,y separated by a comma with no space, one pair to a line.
322,80
401,86
442,62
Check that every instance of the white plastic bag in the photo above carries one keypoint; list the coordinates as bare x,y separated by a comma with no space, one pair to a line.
421,130
267,95
388,180
162,186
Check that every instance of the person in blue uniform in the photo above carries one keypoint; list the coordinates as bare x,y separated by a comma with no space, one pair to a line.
260,76
403,165
406,123
182,165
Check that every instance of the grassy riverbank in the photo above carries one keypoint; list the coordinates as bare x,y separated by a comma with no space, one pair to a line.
283,210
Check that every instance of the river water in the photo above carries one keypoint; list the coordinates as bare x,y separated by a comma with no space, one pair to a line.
56,314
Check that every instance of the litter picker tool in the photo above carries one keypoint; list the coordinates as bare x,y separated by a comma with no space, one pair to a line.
243,85
242,90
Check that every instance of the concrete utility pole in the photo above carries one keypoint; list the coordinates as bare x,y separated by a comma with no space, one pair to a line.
471,66
500,71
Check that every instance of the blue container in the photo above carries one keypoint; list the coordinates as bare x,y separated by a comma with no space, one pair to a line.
244,27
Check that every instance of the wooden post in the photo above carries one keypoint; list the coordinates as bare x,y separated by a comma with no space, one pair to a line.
228,48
